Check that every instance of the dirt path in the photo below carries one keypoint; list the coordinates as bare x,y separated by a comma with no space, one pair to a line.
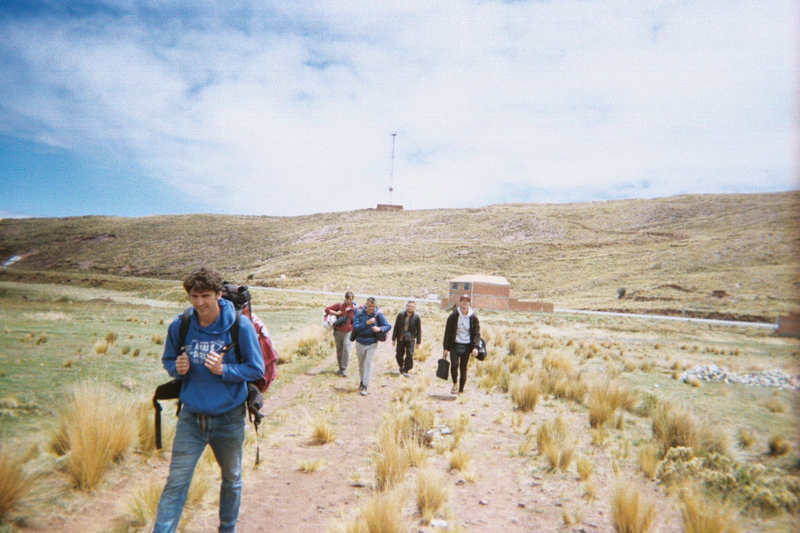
501,491
278,496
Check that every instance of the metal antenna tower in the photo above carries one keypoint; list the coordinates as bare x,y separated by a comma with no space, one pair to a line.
391,171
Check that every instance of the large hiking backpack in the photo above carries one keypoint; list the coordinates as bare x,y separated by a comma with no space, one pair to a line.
240,297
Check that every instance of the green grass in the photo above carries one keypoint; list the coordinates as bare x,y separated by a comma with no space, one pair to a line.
35,375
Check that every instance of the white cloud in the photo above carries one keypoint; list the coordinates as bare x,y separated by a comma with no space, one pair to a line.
294,115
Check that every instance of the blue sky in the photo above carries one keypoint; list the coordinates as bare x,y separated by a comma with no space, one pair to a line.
135,108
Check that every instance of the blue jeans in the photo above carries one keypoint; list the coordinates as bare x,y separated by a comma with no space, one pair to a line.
225,434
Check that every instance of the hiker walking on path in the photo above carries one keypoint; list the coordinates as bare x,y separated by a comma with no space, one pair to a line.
462,333
406,333
213,394
341,329
369,326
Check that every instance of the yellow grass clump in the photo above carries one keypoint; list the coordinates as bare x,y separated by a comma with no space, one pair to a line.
382,513
100,346
14,482
630,511
143,505
702,515
525,394
415,451
309,466
391,462
459,460
648,460
96,428
321,431
673,427
584,467
745,438
775,405
431,494
778,445
551,440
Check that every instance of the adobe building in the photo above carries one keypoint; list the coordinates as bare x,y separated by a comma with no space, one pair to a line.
789,325
490,292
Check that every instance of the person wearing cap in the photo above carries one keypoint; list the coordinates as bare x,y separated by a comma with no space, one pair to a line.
462,334
368,325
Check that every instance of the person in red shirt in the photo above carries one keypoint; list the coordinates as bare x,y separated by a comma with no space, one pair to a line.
342,328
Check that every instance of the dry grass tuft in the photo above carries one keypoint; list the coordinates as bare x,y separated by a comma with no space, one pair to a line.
100,346
416,453
459,460
775,405
321,431
745,438
14,482
584,467
97,429
143,505
701,515
630,512
778,446
566,457
525,394
676,428
383,513
309,466
605,399
431,494
391,462
648,460
551,440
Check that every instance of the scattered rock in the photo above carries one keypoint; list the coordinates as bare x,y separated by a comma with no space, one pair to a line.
438,523
484,502
128,385
768,378
521,505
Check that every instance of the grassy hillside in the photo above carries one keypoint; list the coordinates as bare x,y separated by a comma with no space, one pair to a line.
669,254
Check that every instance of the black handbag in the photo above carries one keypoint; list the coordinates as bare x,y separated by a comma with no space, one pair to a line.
443,369
481,355
340,321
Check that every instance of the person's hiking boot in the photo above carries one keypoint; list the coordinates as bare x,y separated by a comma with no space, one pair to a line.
454,390
363,390
342,373
405,374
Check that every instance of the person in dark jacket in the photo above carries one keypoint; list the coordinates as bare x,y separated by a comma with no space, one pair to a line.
407,332
462,333
341,332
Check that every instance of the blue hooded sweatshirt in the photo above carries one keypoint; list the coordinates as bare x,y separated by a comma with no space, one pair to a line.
364,333
203,392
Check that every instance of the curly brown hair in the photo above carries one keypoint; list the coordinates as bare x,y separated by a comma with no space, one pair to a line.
203,280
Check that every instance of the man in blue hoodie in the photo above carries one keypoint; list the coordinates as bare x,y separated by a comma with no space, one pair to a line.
213,394
368,324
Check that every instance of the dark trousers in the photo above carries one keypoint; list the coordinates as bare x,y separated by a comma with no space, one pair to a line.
405,354
459,358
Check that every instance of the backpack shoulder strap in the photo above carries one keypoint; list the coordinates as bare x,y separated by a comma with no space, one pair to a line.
235,337
183,328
